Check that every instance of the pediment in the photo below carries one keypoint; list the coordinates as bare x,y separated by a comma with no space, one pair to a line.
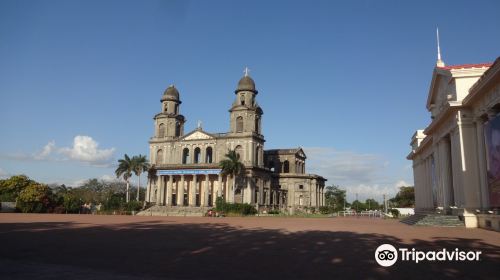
198,135
301,153
434,91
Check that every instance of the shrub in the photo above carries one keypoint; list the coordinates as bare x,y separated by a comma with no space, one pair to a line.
326,209
133,205
395,213
235,208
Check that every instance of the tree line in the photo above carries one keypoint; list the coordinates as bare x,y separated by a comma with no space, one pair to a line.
335,200
93,195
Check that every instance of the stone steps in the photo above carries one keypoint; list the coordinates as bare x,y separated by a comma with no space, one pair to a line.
433,220
185,211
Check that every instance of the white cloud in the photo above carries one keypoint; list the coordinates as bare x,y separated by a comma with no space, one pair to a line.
86,149
108,178
46,151
361,173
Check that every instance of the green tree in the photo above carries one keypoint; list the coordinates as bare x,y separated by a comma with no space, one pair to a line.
404,198
124,169
35,198
139,164
335,197
372,204
71,202
11,187
358,205
232,166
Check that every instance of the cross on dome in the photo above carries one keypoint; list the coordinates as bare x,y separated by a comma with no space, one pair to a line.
246,71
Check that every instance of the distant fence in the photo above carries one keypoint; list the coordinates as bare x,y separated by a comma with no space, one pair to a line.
7,207
370,214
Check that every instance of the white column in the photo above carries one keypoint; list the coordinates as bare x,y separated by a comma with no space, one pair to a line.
169,190
323,196
204,192
471,182
219,185
314,193
456,160
261,192
180,192
192,191
446,174
158,190
481,152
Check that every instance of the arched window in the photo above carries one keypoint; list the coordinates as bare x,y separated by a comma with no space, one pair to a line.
166,108
197,155
286,167
239,124
185,156
257,121
239,151
208,155
159,156
177,129
242,99
161,130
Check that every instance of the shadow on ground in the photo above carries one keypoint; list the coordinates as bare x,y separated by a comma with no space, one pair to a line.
152,250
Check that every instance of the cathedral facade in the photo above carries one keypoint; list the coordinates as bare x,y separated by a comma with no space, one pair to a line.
187,165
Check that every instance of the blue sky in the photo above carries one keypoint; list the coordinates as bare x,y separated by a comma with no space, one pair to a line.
347,80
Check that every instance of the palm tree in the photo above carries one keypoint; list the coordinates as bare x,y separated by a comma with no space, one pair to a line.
152,177
139,164
233,167
125,170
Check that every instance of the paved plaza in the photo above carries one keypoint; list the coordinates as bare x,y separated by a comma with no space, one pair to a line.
45,246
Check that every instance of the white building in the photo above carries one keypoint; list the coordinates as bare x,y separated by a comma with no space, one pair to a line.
456,158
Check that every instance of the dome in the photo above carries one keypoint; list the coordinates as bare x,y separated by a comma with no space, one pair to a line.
246,83
171,93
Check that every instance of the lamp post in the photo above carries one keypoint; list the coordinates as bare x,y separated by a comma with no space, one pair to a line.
345,197
357,202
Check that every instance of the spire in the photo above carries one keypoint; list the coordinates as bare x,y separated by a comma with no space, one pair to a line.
439,62
246,71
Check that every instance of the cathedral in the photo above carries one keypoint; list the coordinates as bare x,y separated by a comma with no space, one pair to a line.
188,175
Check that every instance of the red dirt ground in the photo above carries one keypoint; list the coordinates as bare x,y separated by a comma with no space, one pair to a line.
132,247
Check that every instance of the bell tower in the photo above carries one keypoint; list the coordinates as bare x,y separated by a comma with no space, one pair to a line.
169,124
245,112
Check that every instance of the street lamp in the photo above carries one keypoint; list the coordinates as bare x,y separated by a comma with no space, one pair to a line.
357,202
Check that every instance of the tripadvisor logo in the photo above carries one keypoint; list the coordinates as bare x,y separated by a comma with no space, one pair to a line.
387,255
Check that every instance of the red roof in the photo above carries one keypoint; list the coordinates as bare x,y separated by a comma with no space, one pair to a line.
463,66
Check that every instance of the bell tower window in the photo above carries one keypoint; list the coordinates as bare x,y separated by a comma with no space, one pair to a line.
286,167
197,155
185,156
161,130
208,156
239,124
159,157
242,100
